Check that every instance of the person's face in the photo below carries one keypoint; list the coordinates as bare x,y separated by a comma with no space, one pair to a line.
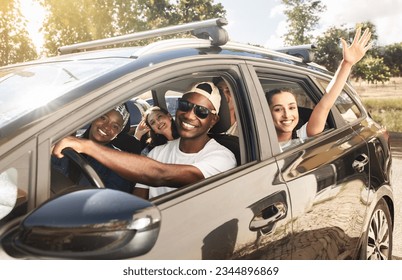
105,128
224,88
226,91
189,125
284,112
160,123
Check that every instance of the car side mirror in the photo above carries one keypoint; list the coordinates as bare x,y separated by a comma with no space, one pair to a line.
87,224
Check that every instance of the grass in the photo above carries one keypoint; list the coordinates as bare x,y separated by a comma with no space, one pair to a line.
386,111
383,101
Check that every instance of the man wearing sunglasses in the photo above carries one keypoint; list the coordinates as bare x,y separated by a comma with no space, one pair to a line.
188,159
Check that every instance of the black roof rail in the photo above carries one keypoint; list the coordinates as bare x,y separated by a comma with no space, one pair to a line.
207,29
305,52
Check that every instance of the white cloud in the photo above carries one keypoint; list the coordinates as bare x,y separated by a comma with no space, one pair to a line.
386,15
275,40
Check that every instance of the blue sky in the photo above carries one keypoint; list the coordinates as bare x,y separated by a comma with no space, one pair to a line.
263,22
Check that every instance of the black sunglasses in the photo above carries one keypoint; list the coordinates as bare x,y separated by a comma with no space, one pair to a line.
200,111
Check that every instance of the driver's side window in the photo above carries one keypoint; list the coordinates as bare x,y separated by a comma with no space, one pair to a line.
160,101
111,129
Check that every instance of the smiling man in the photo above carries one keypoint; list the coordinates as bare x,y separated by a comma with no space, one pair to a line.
188,159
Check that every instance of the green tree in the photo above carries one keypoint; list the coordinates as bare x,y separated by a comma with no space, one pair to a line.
372,69
393,58
75,21
15,45
196,10
363,26
329,52
302,18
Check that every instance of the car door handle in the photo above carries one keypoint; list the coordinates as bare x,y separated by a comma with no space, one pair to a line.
360,162
267,218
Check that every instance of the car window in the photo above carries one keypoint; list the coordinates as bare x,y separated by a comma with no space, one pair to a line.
347,108
305,102
171,98
345,105
167,101
137,107
167,92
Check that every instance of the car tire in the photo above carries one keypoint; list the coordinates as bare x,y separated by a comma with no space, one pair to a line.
377,240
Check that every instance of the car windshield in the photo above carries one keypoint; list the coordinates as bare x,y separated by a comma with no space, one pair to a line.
27,88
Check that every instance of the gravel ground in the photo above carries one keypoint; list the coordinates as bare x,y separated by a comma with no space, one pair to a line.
396,149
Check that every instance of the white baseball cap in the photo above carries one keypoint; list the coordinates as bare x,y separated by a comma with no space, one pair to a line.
210,91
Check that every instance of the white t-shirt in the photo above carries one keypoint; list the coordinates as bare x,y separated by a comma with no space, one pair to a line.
212,159
301,136
302,132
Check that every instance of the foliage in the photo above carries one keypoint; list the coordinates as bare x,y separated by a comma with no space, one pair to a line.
372,69
329,52
76,21
363,25
393,58
15,45
302,18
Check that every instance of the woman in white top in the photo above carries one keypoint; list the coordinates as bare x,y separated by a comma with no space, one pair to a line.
283,105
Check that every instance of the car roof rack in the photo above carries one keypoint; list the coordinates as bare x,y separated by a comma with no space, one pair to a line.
305,52
208,29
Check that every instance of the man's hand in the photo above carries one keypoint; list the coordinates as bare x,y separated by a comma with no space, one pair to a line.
73,142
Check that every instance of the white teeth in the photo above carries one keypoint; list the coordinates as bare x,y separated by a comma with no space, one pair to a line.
102,132
287,122
188,126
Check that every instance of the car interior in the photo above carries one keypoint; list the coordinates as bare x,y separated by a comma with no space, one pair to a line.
167,92
165,96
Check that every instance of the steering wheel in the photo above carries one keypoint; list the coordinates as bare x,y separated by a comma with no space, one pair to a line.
86,168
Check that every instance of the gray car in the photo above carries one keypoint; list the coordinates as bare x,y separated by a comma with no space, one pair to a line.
329,197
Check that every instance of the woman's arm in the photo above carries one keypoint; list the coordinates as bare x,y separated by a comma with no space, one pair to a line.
351,55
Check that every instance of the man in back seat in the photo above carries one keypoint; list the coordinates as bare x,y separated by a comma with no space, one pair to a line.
222,85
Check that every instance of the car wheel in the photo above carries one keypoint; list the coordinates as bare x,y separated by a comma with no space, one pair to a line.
377,242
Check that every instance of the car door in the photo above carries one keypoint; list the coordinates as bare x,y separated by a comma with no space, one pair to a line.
17,184
327,177
243,213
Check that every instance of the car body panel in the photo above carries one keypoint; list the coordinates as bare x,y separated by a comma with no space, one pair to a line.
206,235
324,189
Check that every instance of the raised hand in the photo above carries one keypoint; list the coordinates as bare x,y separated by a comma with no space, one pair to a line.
360,45
141,129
